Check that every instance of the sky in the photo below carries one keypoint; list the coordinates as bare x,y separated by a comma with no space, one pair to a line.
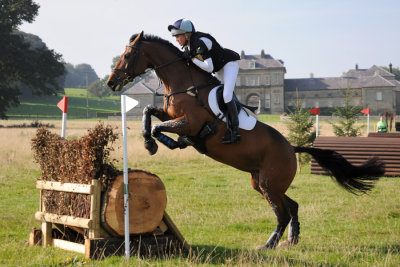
325,38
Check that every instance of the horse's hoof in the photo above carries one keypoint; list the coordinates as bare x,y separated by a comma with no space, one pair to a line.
285,243
151,146
263,247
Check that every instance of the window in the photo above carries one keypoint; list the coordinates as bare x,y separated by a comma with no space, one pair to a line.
267,80
238,81
267,101
252,64
316,104
378,96
252,81
276,99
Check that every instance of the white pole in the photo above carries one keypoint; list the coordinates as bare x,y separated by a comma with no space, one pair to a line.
125,170
317,126
64,124
367,125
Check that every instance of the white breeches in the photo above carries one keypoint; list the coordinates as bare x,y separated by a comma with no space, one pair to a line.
227,75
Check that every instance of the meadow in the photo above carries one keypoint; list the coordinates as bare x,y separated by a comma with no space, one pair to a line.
215,208
45,107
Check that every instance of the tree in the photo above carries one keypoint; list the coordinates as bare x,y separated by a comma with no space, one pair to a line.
76,75
99,88
20,63
301,131
395,71
349,114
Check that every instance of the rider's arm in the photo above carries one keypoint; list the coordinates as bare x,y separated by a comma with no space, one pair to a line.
202,58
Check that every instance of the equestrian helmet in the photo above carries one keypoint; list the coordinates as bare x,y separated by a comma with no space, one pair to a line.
181,26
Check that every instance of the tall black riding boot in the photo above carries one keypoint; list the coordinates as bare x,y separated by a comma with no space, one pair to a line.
232,134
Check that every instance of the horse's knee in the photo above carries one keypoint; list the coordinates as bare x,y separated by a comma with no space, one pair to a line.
148,109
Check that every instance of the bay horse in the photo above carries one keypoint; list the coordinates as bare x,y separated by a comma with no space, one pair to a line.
263,151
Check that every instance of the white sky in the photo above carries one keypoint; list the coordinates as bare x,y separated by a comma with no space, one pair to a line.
321,37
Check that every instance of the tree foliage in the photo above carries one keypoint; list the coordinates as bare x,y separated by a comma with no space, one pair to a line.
349,115
23,64
300,128
395,71
76,75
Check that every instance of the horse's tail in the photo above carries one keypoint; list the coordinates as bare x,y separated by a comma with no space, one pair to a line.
355,179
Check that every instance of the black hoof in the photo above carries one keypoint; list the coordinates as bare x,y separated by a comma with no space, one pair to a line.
151,146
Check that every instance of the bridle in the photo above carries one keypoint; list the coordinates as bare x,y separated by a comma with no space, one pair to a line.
136,49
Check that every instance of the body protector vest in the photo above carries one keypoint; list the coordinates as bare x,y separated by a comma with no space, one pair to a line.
219,55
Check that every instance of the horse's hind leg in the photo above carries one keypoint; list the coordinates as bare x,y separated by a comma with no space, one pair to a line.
279,203
294,224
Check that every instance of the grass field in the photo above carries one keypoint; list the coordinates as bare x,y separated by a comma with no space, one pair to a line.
45,107
215,208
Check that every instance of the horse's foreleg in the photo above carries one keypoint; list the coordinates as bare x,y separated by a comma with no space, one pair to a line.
179,126
149,143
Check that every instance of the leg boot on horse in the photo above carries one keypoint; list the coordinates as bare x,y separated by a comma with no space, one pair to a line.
232,134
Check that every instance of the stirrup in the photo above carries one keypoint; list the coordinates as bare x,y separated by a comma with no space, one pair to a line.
230,136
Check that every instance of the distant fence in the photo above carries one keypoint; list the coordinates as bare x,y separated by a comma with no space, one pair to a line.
359,149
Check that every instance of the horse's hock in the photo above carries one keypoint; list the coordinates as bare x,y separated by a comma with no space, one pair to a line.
81,200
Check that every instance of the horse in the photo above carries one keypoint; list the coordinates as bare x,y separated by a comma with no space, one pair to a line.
263,151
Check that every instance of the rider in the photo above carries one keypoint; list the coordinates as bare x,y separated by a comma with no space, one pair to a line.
206,53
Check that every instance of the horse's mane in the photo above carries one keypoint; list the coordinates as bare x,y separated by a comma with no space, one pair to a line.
157,39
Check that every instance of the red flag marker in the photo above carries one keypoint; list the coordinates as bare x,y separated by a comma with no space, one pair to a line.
365,111
63,104
314,111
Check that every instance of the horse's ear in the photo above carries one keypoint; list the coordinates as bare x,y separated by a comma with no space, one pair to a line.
141,35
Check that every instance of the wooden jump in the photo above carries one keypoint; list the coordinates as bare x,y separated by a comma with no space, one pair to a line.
359,149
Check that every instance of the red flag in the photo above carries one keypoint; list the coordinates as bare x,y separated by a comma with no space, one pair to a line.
314,111
365,111
63,104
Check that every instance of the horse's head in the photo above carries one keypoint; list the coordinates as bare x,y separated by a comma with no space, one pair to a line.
129,65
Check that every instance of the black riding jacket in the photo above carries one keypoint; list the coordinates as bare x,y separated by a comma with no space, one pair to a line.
219,55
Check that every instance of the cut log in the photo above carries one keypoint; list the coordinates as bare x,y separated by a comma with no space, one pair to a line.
147,202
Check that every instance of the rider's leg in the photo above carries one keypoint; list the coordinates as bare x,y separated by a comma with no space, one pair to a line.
229,73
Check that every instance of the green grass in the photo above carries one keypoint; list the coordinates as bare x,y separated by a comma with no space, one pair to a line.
45,107
218,213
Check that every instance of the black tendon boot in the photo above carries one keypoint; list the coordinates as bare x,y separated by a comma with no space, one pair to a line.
232,134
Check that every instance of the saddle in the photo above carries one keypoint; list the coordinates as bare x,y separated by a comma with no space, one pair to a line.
238,104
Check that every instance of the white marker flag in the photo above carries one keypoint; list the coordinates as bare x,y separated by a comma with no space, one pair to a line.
127,104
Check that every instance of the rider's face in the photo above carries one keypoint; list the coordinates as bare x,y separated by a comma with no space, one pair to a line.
181,39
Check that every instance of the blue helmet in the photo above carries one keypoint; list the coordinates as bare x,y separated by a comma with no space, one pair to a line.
181,26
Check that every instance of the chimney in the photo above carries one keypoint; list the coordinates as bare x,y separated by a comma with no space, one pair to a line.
242,55
390,68
356,66
262,53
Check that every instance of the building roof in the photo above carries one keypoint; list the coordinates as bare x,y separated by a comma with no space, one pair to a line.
148,85
336,83
263,61
374,70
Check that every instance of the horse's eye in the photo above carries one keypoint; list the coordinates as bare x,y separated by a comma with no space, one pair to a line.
127,56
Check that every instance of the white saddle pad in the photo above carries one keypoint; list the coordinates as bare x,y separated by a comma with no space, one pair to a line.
246,122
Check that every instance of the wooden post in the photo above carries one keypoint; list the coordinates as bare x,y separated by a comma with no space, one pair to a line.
46,233
95,200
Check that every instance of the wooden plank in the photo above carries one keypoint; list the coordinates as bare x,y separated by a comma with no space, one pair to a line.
63,219
35,237
46,233
68,245
95,200
174,230
65,187
141,245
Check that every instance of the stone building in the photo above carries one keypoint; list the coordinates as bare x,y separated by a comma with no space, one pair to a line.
260,82
375,88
